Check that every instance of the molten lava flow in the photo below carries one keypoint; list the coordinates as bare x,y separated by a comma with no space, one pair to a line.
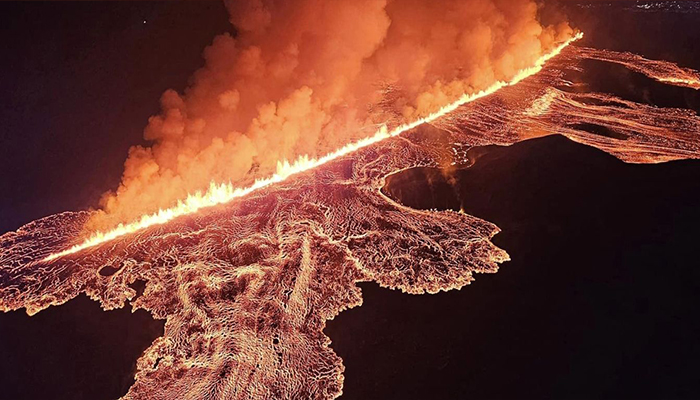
223,193
551,103
247,289
662,71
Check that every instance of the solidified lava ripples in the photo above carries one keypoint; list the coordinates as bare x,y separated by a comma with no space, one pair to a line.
246,288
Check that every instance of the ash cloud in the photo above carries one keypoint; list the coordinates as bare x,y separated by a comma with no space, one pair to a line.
308,76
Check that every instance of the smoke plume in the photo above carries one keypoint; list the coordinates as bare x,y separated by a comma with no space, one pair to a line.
308,76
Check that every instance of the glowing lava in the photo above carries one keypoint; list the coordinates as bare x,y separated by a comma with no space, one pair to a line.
662,71
225,192
247,289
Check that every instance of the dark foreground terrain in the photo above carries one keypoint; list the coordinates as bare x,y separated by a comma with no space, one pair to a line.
599,300
75,351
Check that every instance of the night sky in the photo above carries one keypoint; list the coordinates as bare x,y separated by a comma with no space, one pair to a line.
599,301
79,81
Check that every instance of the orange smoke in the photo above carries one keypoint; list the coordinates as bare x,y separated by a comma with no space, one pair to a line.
307,77
223,193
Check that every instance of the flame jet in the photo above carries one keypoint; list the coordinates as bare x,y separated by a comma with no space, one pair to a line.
223,193
309,77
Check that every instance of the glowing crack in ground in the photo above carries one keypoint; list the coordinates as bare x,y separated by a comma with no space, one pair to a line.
223,193
246,288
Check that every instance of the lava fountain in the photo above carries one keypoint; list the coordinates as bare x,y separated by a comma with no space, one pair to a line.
225,192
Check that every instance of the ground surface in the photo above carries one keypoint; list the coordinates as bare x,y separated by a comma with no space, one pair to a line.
597,302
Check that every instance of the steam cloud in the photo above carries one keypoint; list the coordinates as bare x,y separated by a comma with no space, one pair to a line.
308,76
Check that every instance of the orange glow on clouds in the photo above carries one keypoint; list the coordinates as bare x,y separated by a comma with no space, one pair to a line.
225,192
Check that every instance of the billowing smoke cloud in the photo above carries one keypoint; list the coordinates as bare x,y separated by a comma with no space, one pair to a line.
308,76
